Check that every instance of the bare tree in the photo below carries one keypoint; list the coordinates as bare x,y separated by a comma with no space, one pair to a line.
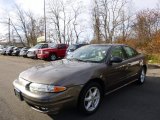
146,25
96,22
64,18
109,17
126,25
55,11
18,34
22,22
27,26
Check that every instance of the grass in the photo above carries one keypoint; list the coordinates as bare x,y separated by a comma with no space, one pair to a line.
153,58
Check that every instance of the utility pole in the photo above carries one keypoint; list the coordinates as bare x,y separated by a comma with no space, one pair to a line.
9,30
45,29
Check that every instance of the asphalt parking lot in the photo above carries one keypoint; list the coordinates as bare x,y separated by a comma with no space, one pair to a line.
134,102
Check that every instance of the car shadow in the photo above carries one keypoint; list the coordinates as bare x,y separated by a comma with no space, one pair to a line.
122,104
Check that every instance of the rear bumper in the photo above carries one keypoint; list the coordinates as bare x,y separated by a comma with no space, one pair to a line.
49,102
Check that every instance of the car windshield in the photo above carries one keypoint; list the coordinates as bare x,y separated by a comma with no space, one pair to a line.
52,45
72,47
90,53
11,47
38,46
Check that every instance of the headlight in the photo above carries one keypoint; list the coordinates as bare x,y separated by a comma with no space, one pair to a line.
35,87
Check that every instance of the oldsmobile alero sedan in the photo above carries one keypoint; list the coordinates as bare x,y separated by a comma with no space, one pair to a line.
82,79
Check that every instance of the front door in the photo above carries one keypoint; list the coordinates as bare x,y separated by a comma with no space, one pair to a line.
116,73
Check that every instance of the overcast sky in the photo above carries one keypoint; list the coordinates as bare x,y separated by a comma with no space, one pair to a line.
37,7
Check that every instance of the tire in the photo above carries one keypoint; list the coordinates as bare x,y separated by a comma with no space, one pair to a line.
90,98
142,76
53,57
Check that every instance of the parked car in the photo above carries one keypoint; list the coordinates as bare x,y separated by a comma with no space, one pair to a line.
24,51
53,52
9,50
81,79
73,47
3,52
1,49
16,51
32,52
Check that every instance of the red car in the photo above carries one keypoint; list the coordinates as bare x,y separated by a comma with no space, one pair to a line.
53,52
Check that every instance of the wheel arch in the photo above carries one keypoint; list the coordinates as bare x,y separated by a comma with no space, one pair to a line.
145,68
97,80
52,53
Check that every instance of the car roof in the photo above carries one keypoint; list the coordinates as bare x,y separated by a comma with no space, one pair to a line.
110,44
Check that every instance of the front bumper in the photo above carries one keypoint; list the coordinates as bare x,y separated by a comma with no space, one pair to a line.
31,55
23,53
49,102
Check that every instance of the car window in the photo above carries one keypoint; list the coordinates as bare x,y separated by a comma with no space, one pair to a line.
45,46
52,45
117,52
62,46
90,53
130,51
72,47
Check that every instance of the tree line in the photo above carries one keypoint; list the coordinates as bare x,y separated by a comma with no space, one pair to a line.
107,21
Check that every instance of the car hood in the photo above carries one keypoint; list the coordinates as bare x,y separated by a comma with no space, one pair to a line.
59,72
32,49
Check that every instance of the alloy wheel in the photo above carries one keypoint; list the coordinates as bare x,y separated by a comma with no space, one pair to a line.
142,76
92,99
53,57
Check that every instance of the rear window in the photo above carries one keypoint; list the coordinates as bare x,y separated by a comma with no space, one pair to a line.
72,47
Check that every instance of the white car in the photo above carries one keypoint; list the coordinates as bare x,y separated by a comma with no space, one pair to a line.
1,49
32,52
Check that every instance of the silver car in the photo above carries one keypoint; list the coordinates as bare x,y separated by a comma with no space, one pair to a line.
32,52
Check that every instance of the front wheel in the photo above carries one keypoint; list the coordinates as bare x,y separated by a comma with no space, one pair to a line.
90,98
142,76
53,57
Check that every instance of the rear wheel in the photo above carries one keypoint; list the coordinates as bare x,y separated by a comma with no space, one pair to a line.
90,98
53,57
142,76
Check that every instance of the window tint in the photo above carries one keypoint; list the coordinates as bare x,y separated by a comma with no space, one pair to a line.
45,46
117,52
130,52
62,46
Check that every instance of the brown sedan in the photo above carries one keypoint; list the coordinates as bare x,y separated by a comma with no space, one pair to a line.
82,79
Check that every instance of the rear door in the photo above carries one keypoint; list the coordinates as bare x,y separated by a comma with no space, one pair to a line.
133,61
62,50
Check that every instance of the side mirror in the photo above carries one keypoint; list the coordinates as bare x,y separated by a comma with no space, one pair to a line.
116,60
